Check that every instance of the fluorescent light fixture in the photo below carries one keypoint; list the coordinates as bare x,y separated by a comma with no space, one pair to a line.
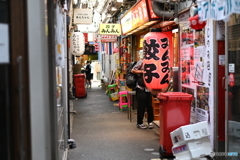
149,23
75,2
175,30
113,9
141,27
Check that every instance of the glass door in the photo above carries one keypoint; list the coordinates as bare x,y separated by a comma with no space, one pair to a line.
233,87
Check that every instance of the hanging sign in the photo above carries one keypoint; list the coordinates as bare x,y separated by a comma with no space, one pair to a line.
110,29
217,9
108,38
83,16
77,41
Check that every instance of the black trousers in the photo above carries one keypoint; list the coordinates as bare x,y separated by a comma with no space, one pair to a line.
144,100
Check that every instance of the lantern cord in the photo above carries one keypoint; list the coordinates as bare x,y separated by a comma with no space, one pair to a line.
172,11
164,10
193,3
167,6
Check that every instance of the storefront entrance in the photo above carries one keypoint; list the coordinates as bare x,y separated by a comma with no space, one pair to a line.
233,85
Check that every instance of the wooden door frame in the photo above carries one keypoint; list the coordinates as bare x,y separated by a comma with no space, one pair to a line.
20,131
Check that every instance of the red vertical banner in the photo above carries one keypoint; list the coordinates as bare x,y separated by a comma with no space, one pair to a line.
169,34
86,37
96,46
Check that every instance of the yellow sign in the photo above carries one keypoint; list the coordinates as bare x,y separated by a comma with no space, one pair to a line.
110,29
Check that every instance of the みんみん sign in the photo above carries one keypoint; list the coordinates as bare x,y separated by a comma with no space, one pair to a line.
110,29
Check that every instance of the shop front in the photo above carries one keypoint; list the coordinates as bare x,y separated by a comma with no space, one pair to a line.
232,93
136,23
209,71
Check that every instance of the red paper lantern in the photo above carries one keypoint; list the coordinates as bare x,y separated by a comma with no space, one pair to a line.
156,59
196,24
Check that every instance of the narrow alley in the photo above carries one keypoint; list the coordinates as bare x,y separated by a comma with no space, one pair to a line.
102,132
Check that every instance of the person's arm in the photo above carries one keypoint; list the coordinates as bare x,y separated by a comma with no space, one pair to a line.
137,71
137,68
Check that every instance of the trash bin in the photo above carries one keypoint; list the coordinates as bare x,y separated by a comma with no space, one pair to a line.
79,83
175,109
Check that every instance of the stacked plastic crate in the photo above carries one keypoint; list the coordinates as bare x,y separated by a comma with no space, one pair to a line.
191,141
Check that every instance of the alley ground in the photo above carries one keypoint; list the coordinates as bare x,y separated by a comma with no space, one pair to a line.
102,132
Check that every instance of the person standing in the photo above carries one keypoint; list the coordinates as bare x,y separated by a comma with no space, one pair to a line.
92,70
144,98
88,74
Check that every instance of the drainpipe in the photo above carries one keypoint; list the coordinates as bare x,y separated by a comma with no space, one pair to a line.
160,11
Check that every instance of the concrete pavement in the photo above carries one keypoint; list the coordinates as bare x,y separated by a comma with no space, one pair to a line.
102,132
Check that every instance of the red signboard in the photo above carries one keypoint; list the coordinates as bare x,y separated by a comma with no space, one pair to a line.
152,15
138,15
108,38
86,37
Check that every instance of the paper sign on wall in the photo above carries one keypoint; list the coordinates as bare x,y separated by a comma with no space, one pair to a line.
231,68
221,60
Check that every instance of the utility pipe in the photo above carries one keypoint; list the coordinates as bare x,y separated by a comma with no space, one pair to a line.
160,11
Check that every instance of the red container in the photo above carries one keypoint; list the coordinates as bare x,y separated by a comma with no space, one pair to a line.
79,83
175,110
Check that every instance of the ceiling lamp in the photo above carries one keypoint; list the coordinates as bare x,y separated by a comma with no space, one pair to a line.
113,8
109,15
